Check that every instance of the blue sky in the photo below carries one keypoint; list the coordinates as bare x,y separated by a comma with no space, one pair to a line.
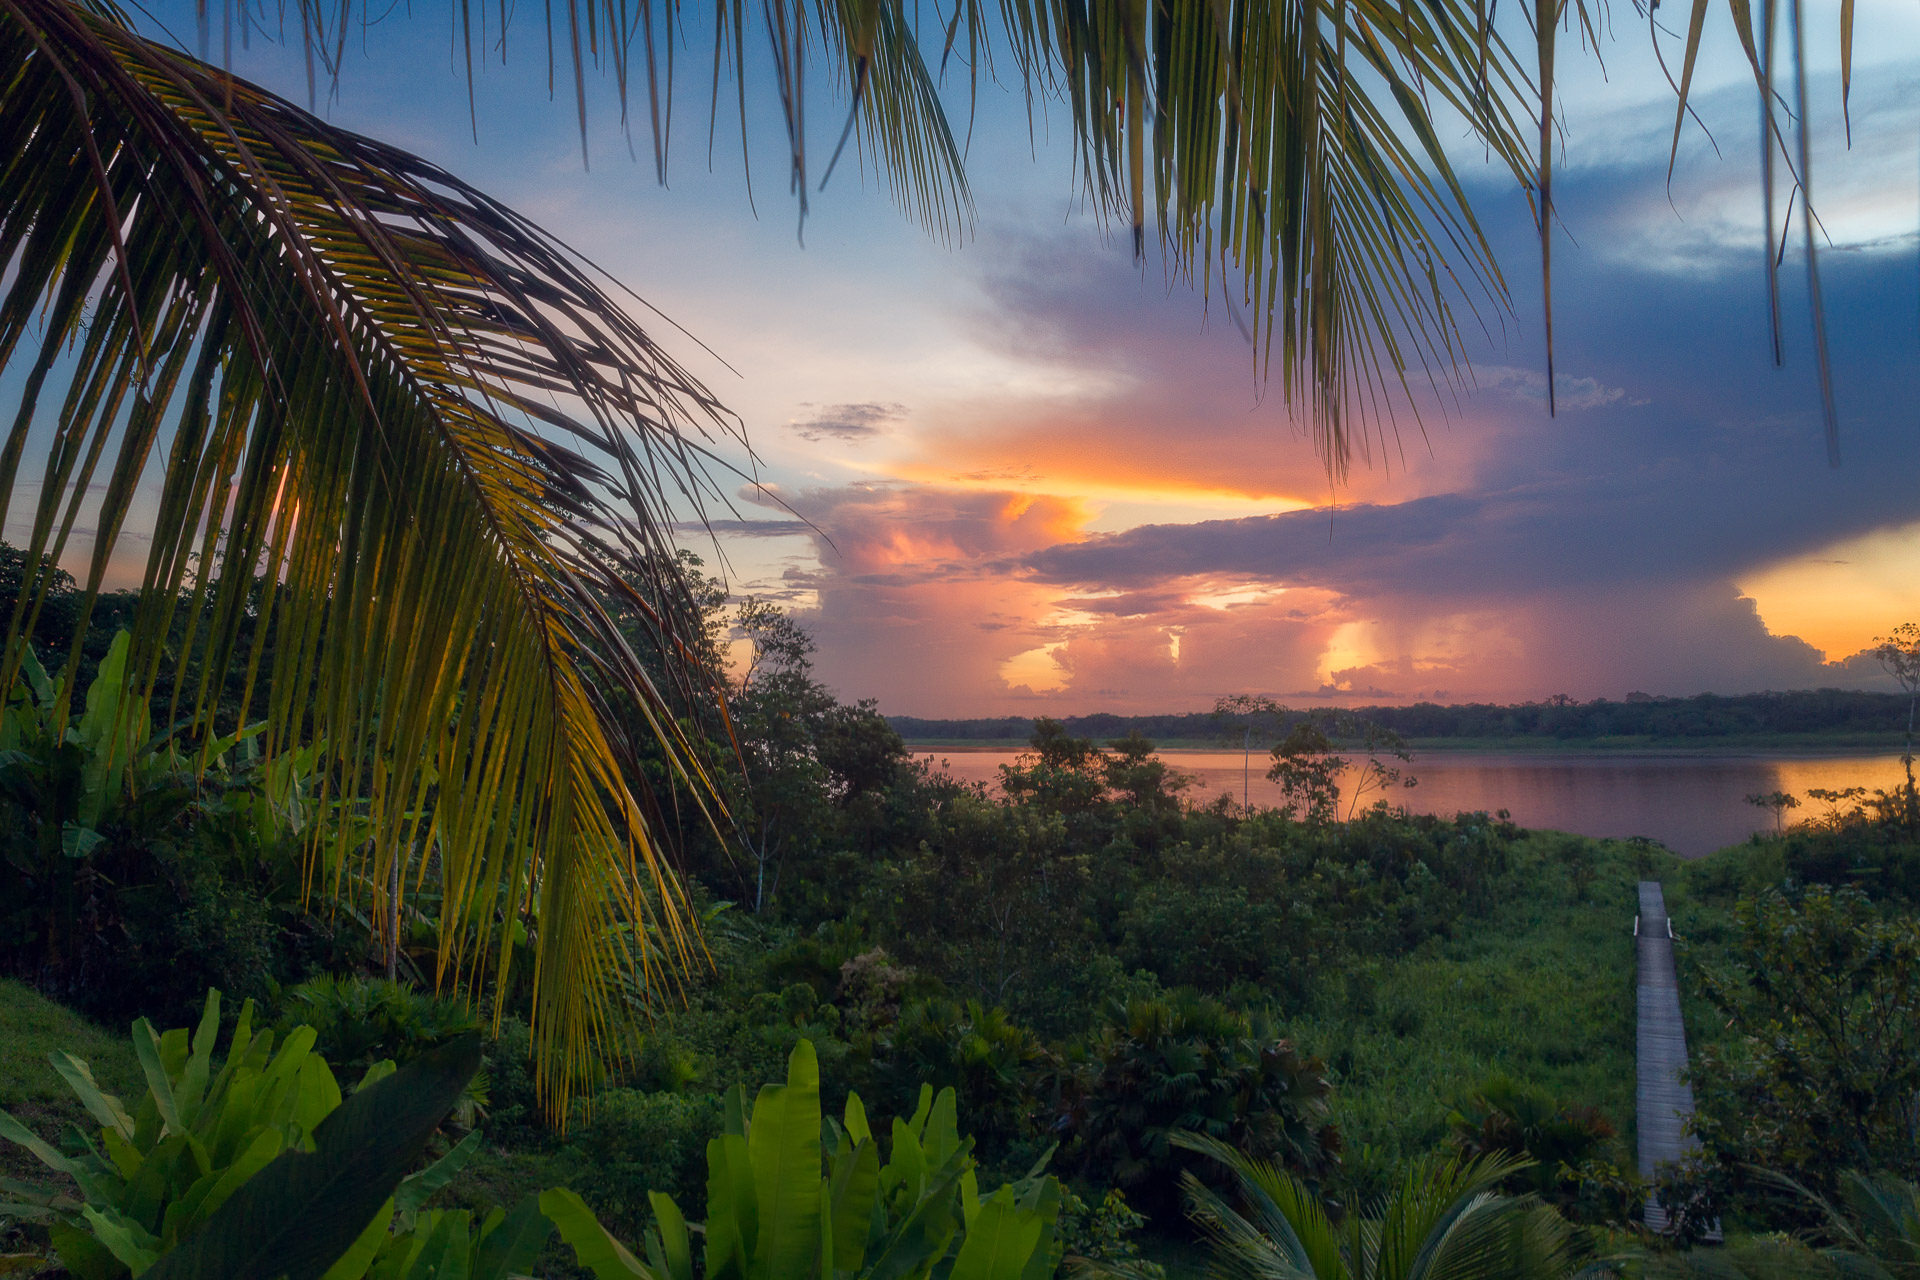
1040,476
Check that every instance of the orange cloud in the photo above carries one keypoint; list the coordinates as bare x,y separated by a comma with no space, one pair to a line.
1842,596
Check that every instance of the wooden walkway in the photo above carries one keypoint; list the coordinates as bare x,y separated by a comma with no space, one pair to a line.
1663,1100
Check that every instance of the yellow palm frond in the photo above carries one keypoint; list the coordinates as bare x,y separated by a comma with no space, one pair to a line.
424,419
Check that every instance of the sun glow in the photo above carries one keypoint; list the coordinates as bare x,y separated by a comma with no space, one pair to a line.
1839,598
1037,669
1350,646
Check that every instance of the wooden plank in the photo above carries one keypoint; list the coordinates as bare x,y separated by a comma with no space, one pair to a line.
1663,1101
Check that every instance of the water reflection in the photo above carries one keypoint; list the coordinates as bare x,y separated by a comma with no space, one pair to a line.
1692,803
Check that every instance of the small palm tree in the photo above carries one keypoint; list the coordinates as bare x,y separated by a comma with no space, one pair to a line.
1443,1219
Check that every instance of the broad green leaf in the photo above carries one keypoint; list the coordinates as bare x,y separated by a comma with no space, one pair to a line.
132,1244
199,1068
353,1264
83,1255
856,1119
78,842
923,1236
1000,1240
37,678
905,1175
733,1219
21,1136
942,1135
417,1188
206,1196
783,1143
102,1106
146,1047
855,1185
297,1216
676,1249
593,1246
445,1254
377,1072
510,1247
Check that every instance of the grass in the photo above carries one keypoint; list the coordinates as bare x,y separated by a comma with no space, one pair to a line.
31,1027
1540,989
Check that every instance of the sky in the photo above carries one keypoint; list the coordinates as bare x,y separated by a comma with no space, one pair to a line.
1019,472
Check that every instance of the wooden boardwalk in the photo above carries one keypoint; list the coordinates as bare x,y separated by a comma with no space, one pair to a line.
1663,1100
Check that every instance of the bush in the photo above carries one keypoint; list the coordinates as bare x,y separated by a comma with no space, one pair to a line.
1186,1063
362,1020
1822,1074
629,1143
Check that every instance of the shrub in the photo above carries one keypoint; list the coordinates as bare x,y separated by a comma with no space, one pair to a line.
629,1143
1185,1063
361,1020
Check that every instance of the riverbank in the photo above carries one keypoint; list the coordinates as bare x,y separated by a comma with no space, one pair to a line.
1786,745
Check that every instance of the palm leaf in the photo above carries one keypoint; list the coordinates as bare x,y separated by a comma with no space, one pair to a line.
406,435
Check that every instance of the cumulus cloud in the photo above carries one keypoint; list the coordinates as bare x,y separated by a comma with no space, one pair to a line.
1571,394
848,423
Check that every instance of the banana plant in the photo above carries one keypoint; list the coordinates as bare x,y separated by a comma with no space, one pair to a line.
215,1171
259,1168
791,1198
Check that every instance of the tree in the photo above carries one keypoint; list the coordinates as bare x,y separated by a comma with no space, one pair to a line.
779,711
1822,1071
1308,771
1184,1064
1899,653
1777,803
1060,772
1239,714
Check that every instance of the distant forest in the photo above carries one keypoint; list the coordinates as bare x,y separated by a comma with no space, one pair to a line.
1826,712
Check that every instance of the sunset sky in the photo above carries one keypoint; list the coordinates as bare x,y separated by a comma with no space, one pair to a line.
1040,477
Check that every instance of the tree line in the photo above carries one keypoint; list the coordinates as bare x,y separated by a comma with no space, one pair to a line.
1560,718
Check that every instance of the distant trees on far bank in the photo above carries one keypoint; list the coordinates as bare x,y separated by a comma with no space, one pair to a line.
1703,716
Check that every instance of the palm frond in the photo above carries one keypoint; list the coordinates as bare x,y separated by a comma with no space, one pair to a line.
415,417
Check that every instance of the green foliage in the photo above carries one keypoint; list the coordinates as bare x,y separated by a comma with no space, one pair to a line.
136,871
994,1065
1442,1218
257,1166
1158,1068
1540,987
220,1166
1573,1160
1870,1231
1102,1238
357,1021
628,1143
788,1199
1821,1072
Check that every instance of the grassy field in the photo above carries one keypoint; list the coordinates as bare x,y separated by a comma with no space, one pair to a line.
1540,989
31,1027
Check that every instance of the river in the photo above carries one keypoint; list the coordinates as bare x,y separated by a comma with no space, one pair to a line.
1694,803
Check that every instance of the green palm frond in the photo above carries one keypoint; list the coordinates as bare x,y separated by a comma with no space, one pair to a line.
415,417
1443,1220
1288,145
1291,143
